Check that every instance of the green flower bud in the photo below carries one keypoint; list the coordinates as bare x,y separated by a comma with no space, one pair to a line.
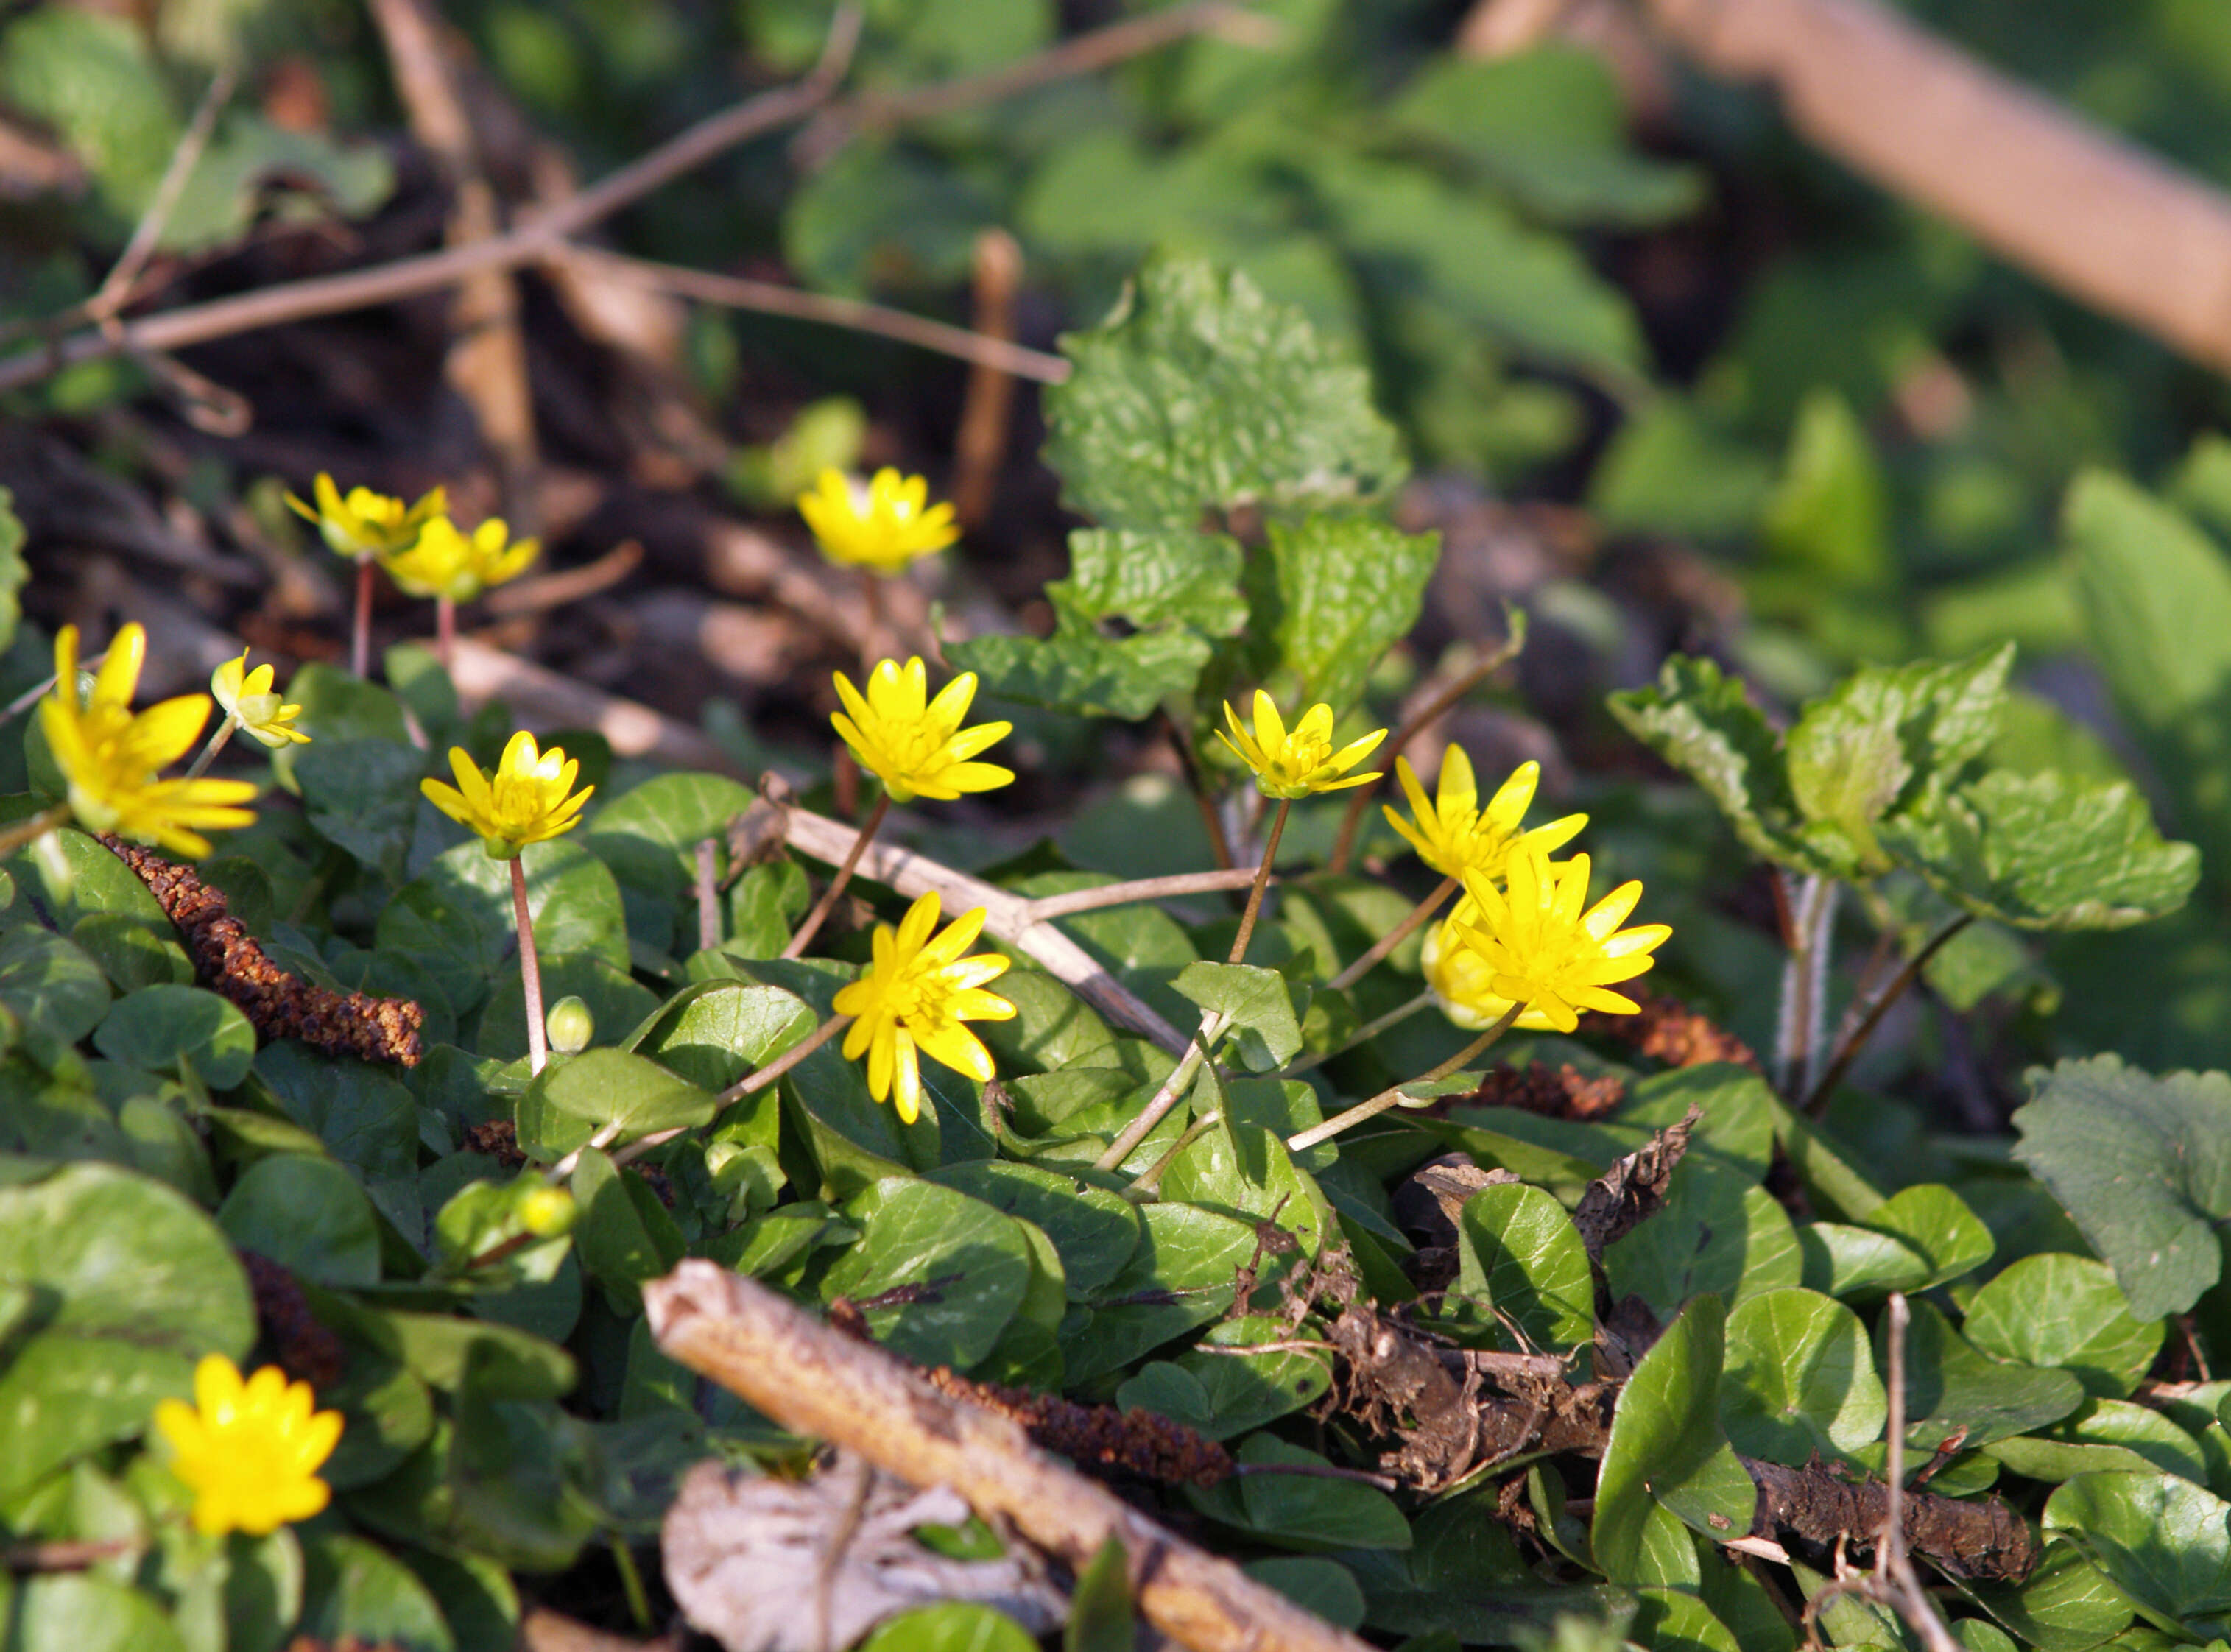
571,1026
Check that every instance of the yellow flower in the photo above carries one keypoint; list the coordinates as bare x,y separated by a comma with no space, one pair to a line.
1533,946
250,1451
527,801
366,524
1453,835
249,698
442,562
918,749
882,525
913,999
1295,764
110,756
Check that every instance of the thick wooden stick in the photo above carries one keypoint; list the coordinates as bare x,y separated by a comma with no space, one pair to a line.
820,1382
2097,218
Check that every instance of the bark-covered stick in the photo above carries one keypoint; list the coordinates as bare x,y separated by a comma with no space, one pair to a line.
818,1382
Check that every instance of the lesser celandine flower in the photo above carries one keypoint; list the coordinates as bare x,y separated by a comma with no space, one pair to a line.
1532,944
111,756
363,524
251,704
529,799
914,745
912,999
442,562
1454,835
883,525
250,1451
1293,764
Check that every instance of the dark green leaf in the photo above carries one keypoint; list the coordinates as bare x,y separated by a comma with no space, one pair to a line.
648,835
308,1215
1949,1386
1666,1446
54,992
2144,1164
607,1090
1100,1605
1520,1251
1095,1230
455,919
353,1588
621,1232
159,1027
64,1396
1801,1380
1705,724
83,1612
717,1032
363,795
953,1269
1181,1276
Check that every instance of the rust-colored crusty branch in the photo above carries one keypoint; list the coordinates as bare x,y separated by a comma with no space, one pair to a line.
2102,219
819,1381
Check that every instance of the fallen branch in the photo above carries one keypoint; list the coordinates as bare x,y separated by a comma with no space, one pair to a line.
816,1381
2102,219
227,961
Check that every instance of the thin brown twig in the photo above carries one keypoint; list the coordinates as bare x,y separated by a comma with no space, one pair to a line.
1219,844
1123,894
540,591
773,297
980,443
1393,938
115,289
1848,1049
822,908
547,232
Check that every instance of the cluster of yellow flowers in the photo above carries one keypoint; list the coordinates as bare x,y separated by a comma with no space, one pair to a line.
423,551
113,757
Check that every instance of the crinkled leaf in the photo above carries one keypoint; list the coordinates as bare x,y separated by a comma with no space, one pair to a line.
1703,723
1167,592
1342,590
2045,851
2144,1166
1198,395
1883,736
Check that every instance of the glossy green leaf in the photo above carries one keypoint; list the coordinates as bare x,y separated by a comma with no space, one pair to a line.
608,1090
159,1027
362,795
1799,1379
1667,1446
2067,1604
84,1612
951,1626
64,1396
1951,1386
2067,1311
714,1033
353,1588
648,835
1181,1276
1302,1510
1521,1252
1095,1230
456,921
1200,395
2144,1166
55,993
621,1232
2164,1541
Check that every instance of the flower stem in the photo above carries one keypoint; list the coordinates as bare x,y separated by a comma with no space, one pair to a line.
822,908
1197,783
758,1079
1800,1023
1393,938
708,897
530,970
1386,1099
1848,1047
1262,877
360,629
1212,1027
27,831
445,632
216,743
1369,1031
1149,1186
